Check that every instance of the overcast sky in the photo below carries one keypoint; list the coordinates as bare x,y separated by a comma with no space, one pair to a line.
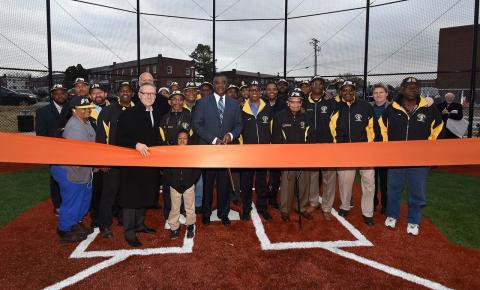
403,36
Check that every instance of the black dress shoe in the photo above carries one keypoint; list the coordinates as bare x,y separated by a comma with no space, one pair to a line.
368,221
146,230
342,212
226,221
206,220
81,228
190,231
264,213
174,234
245,216
71,236
273,203
106,232
134,242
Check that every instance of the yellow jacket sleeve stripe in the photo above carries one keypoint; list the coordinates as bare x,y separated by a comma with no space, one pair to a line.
370,130
107,131
435,130
333,126
383,129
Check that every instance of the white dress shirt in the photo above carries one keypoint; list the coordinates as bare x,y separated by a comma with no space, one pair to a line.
217,98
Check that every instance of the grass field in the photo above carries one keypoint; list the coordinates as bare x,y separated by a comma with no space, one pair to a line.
453,201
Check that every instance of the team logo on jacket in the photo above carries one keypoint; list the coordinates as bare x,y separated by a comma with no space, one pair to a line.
358,117
265,119
302,125
421,118
185,125
323,109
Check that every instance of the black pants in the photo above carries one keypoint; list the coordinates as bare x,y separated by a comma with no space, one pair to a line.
55,193
223,199
133,221
97,185
380,185
274,184
246,179
108,197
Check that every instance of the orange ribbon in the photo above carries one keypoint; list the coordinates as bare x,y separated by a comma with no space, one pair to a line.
17,148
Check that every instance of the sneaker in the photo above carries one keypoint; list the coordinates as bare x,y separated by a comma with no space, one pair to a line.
342,212
182,220
174,234
167,226
413,229
190,231
390,222
71,236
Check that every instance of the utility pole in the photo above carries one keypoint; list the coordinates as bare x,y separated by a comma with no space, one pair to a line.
316,49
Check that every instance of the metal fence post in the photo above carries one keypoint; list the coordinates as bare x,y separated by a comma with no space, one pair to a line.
138,40
365,59
213,40
473,73
285,41
49,48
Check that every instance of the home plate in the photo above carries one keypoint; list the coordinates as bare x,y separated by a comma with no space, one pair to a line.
232,215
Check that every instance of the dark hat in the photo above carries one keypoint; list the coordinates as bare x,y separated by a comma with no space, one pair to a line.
81,103
58,87
317,78
296,94
348,83
80,81
125,84
243,85
304,83
97,86
173,84
190,85
409,80
282,81
233,87
206,84
176,93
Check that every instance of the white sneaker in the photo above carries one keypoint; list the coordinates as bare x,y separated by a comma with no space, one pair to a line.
167,226
413,229
390,222
182,220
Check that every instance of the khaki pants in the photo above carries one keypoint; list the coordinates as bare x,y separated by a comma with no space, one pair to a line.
329,184
189,202
287,187
346,178
314,187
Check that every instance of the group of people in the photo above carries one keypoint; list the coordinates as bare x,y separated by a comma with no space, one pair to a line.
219,114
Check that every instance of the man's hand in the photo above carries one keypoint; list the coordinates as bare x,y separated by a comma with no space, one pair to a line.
445,111
218,142
227,139
430,101
143,149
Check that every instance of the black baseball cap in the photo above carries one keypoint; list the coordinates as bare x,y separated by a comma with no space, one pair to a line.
81,103
409,80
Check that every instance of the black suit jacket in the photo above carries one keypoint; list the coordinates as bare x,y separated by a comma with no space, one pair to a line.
47,120
206,119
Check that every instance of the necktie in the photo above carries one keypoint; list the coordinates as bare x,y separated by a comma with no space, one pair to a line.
221,108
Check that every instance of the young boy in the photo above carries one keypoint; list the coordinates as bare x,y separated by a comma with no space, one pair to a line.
182,185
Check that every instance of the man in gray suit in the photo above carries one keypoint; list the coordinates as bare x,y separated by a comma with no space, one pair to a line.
217,120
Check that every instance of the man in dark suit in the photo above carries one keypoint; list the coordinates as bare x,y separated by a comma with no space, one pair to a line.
450,110
217,120
139,128
46,124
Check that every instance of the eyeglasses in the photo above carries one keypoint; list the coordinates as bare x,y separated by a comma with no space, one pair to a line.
148,94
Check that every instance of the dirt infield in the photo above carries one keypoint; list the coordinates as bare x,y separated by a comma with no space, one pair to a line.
254,255
470,170
12,167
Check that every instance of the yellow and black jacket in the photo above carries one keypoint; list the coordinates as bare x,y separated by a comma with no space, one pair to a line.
256,130
423,123
291,128
107,122
353,122
172,123
320,113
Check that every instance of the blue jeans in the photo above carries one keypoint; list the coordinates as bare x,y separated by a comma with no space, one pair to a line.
75,199
416,180
199,192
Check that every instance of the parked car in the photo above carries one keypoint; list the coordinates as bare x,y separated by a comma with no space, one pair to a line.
10,97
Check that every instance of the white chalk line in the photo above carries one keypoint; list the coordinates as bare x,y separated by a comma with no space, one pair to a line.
334,247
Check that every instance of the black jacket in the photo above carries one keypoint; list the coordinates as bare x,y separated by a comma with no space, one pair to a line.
47,121
256,130
353,122
138,185
425,123
455,111
107,123
291,129
171,123
181,179
320,113
279,106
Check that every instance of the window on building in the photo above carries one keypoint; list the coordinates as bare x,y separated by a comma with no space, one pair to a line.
169,70
154,69
187,71
147,68
123,72
131,71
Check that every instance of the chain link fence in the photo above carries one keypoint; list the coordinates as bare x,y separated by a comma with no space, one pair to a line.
429,39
